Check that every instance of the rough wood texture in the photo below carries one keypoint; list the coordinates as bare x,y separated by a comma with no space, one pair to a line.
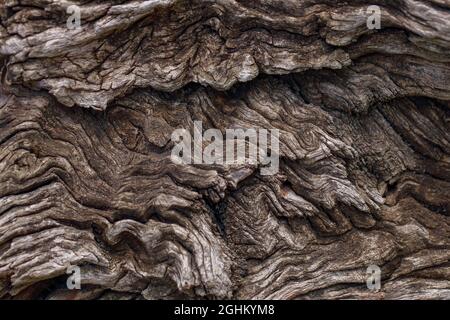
86,179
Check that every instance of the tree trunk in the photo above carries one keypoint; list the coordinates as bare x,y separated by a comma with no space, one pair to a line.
87,113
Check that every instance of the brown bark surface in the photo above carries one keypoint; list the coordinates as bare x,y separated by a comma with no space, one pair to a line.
86,179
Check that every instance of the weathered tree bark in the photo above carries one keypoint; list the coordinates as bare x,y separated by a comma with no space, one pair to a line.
86,179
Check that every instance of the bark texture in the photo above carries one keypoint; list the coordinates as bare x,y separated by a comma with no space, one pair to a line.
86,179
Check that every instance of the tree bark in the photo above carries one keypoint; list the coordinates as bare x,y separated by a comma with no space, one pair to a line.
86,177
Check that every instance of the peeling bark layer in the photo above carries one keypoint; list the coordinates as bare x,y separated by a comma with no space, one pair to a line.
86,178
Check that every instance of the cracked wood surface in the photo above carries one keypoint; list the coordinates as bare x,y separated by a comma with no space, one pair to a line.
86,179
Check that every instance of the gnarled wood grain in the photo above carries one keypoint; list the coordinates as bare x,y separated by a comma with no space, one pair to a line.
86,178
